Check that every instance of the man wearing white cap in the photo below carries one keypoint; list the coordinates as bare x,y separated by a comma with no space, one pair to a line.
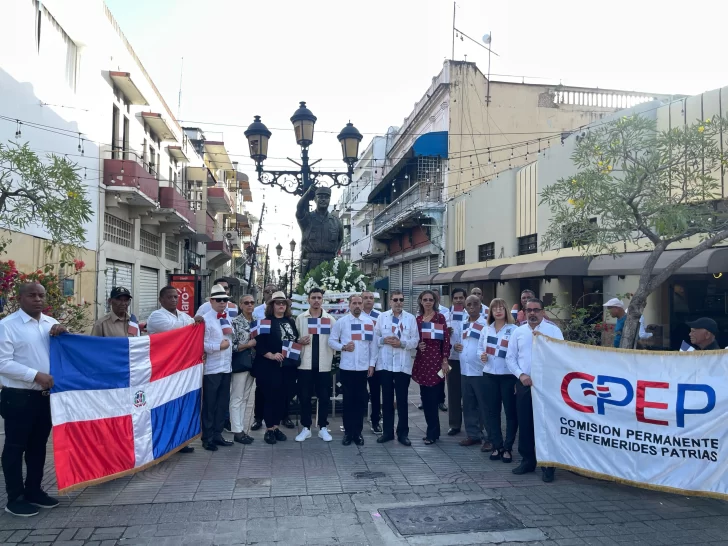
616,309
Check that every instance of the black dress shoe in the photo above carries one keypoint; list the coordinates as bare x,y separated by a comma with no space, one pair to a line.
523,468
257,425
242,438
547,474
376,429
453,431
288,423
346,441
442,406
209,446
385,438
359,440
269,437
404,441
279,435
187,449
222,442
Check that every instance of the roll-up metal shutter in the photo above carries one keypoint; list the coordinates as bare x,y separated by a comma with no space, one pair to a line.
407,285
148,292
117,274
395,277
419,269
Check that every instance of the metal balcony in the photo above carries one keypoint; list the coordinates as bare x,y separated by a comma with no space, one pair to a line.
401,213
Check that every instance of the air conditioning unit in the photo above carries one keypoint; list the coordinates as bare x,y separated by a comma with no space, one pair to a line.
232,238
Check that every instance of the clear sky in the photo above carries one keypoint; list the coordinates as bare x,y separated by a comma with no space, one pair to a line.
369,62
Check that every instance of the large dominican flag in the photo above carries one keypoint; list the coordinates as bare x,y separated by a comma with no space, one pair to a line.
120,405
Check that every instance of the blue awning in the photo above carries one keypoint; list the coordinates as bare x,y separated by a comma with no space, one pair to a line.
431,144
382,284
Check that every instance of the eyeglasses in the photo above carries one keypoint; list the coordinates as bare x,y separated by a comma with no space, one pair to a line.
218,300
426,299
397,299
532,310
248,303
281,303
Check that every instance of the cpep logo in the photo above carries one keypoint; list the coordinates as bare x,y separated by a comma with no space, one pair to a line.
599,388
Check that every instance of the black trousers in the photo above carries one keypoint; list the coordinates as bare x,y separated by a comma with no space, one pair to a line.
499,392
526,440
258,403
375,397
431,397
215,404
309,383
454,396
27,415
394,383
354,390
270,378
290,375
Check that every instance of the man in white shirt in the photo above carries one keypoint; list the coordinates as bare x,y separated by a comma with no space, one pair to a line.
518,360
24,399
314,373
353,335
483,308
169,318
454,392
232,309
217,370
258,404
397,337
375,389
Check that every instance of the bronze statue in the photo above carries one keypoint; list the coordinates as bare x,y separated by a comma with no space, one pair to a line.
321,233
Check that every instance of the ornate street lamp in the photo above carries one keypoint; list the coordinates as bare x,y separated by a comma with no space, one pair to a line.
279,249
293,271
297,182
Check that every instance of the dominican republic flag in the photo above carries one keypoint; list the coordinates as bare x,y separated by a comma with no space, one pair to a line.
397,327
232,310
291,350
374,315
686,347
362,332
496,348
321,326
117,415
457,313
258,327
473,330
133,328
431,330
227,328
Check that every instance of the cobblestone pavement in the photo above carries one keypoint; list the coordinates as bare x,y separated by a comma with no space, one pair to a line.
309,493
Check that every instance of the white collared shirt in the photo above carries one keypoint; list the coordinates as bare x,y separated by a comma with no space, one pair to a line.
162,320
259,312
457,331
520,345
25,349
445,312
496,365
364,353
470,364
484,311
398,359
218,361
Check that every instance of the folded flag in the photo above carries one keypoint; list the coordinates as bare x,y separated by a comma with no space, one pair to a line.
143,404
431,330
133,328
362,332
227,328
457,313
321,326
258,327
473,330
686,347
291,350
495,348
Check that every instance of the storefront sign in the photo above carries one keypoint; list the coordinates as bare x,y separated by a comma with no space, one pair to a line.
186,286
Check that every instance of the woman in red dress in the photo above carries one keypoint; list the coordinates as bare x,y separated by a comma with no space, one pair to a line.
431,359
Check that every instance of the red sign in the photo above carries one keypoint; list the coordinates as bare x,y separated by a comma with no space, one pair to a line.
185,285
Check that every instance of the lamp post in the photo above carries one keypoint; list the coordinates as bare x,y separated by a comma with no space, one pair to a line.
297,182
279,250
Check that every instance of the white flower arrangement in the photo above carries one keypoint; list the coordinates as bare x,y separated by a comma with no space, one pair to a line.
332,277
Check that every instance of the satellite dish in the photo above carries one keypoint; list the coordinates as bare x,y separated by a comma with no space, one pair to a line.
486,38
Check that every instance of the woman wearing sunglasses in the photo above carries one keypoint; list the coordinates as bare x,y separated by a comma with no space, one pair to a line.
270,363
242,365
430,367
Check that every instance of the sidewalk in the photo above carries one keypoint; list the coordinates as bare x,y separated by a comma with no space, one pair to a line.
324,494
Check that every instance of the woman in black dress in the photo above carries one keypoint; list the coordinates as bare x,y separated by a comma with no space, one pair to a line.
270,362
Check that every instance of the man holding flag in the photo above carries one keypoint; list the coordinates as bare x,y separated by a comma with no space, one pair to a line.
118,322
217,370
353,335
314,373
456,317
375,388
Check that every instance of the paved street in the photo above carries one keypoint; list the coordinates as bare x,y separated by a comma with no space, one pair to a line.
319,493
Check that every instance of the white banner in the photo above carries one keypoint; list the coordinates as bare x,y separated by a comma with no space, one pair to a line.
645,418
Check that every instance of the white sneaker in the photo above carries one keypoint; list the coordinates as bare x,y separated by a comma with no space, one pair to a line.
324,434
305,433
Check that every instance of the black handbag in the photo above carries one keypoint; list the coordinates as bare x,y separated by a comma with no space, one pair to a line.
242,361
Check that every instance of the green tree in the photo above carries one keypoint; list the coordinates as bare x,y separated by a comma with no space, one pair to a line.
50,195
643,186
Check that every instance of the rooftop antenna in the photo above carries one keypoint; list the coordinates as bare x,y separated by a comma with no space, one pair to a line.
452,56
179,96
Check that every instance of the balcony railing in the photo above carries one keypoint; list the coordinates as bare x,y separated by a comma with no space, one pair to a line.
192,260
172,198
419,197
130,172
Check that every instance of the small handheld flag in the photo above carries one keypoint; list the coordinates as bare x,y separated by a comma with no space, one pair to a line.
495,348
133,328
686,347
431,330
232,310
473,330
397,327
291,350
457,313
227,329
374,314
321,326
362,332
258,327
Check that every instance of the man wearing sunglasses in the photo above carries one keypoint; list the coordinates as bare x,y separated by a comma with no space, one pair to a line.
397,336
232,309
259,403
518,360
